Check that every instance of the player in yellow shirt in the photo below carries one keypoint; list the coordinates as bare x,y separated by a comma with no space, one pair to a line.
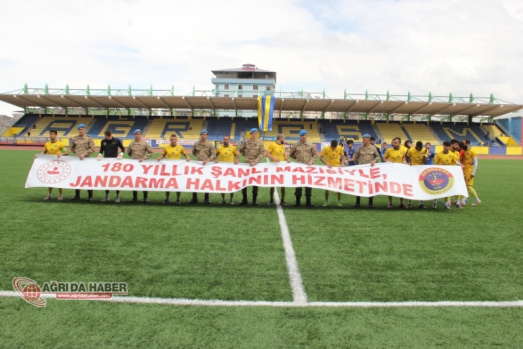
456,151
406,146
454,148
447,158
332,156
227,152
54,147
418,156
276,153
396,154
342,148
173,151
469,161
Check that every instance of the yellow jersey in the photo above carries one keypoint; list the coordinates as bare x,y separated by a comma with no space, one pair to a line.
277,150
226,154
173,153
333,155
395,155
456,154
54,148
468,159
445,159
416,156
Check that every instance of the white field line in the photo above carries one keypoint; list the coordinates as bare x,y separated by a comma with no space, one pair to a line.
298,292
220,303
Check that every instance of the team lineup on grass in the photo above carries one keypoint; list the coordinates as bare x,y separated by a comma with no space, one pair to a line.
435,258
404,171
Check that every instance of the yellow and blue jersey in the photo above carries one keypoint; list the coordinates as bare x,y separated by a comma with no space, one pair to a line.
173,153
54,148
226,154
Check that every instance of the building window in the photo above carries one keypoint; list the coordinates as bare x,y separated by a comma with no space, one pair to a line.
240,96
240,87
226,86
254,96
226,95
268,88
255,87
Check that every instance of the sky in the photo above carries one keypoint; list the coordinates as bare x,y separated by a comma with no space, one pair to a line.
421,46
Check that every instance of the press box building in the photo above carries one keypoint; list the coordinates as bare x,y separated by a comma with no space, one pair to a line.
245,82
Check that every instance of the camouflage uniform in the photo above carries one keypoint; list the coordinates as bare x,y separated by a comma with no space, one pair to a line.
137,150
141,149
82,146
203,152
303,153
252,151
365,155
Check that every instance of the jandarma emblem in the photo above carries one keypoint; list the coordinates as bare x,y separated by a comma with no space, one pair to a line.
54,171
436,180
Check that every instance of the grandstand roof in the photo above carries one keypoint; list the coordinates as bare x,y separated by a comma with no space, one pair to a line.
24,100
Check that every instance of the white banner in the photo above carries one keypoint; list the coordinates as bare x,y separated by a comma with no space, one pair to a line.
399,180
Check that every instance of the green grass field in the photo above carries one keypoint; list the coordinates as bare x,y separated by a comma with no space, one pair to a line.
236,253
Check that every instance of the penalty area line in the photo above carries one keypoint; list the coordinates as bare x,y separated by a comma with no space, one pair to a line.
222,303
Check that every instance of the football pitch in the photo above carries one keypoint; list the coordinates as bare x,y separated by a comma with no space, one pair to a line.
265,276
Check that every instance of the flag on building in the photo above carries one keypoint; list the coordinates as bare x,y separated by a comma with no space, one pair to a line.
265,112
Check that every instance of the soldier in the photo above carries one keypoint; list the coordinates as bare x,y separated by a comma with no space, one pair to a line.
366,154
139,150
305,153
109,149
252,151
204,151
83,146
277,153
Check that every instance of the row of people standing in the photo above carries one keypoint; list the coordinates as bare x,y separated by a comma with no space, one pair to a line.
253,152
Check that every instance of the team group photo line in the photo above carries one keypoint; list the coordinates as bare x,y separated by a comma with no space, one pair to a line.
404,171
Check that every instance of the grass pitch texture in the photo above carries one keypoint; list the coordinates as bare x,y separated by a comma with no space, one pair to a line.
235,253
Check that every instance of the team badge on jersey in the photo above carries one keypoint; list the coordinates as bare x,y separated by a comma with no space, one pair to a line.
436,180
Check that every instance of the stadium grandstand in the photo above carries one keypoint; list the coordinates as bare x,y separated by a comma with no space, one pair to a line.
161,113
